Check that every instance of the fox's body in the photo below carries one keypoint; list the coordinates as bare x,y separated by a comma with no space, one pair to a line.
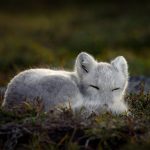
92,85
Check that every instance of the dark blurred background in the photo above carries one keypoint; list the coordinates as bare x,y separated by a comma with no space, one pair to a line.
50,33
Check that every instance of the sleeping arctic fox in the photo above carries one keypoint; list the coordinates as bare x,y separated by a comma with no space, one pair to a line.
96,86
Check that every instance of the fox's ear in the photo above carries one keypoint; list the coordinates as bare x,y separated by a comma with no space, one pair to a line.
120,64
84,63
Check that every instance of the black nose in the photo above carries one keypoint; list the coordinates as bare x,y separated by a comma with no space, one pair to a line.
105,105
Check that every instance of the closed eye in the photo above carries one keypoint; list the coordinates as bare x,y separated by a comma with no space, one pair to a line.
97,88
115,89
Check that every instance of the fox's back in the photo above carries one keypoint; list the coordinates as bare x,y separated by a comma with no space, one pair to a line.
49,85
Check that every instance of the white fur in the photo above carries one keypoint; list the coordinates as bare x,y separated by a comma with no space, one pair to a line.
78,87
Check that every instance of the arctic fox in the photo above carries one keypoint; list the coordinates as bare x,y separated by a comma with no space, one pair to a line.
96,86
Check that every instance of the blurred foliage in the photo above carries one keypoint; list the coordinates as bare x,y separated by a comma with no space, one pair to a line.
51,34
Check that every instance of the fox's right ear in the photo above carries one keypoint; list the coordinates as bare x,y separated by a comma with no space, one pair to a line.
120,64
84,63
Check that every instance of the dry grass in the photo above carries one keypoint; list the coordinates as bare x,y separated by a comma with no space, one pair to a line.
31,128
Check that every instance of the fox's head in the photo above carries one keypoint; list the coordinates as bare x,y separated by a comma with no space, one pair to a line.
102,82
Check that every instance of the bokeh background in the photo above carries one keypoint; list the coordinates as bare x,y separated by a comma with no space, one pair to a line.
50,33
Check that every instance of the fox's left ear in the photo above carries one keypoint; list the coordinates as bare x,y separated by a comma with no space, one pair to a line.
120,64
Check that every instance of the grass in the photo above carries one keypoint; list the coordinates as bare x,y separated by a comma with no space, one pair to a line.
54,37
29,128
